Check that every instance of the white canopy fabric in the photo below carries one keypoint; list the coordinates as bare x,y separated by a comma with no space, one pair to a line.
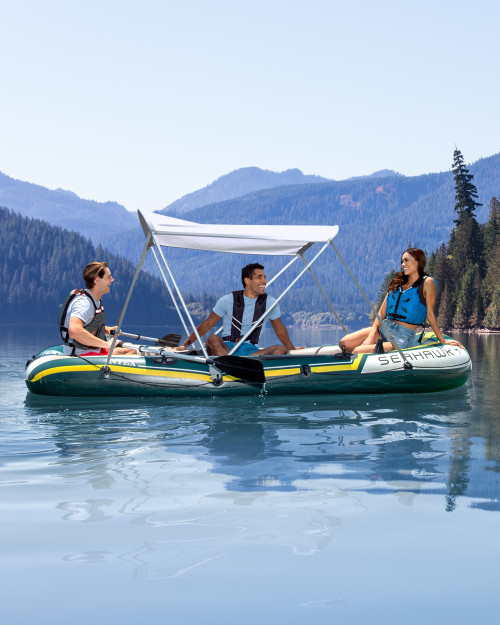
237,239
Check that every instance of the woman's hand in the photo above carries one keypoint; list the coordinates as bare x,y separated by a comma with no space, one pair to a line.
453,342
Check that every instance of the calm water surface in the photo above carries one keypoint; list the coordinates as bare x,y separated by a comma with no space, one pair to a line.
359,509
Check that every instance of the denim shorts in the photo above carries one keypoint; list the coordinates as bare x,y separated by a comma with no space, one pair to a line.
403,336
244,349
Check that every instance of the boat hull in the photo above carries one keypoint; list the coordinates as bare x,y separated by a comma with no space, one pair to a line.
435,367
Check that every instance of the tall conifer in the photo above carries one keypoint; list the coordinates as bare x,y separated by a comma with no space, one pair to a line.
466,249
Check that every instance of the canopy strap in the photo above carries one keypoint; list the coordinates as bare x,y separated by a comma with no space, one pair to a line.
407,363
270,282
266,314
325,296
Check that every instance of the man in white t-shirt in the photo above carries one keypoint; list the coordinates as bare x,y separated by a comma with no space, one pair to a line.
239,310
83,327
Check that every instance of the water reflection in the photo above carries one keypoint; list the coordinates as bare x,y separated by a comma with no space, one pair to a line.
201,478
412,444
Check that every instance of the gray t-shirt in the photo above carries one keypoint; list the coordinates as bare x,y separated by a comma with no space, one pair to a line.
224,308
81,307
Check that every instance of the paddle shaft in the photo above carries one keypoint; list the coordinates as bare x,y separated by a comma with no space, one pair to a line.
169,340
237,366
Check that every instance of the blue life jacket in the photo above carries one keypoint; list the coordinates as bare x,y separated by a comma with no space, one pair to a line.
408,306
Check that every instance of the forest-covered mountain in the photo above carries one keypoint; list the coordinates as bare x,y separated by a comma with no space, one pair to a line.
64,208
378,218
236,183
40,264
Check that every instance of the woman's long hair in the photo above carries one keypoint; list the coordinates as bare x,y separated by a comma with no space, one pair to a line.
400,278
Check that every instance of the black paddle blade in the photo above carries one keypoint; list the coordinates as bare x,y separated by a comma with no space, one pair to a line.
240,367
170,340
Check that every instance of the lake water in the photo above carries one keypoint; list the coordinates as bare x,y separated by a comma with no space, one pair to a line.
349,510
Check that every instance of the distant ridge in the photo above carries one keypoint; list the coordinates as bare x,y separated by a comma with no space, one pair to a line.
238,183
66,209
382,173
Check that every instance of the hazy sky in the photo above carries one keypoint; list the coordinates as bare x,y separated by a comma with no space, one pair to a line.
143,102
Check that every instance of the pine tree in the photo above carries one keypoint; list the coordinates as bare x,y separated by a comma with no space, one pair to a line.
466,243
492,230
465,190
446,308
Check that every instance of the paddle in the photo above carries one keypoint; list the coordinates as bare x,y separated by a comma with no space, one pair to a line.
240,367
247,369
169,340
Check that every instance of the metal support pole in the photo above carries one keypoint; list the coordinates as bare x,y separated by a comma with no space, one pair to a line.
268,312
407,363
203,348
270,282
125,305
170,291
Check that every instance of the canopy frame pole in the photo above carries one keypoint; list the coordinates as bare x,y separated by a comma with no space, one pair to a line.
407,363
270,282
325,296
282,270
266,314
160,251
125,305
181,317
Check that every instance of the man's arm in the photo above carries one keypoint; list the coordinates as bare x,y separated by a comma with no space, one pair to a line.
77,332
203,328
282,333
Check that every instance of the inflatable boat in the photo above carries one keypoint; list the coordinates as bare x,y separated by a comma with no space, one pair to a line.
159,370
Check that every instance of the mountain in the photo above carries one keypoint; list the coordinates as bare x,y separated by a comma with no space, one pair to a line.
65,209
378,218
40,264
382,173
236,183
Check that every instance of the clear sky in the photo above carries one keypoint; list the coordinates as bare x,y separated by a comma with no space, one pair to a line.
143,102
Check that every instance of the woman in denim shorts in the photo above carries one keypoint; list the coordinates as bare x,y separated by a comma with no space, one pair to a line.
409,302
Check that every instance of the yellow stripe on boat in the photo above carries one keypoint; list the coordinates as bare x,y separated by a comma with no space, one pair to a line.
118,369
273,373
322,368
341,366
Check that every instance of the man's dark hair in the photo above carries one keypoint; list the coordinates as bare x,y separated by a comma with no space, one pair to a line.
92,271
247,271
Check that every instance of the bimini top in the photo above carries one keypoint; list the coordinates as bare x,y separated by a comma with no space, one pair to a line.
237,239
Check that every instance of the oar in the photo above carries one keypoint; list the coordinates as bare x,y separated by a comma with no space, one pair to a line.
241,367
169,340
247,369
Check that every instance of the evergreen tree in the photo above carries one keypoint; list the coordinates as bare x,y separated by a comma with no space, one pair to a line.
466,241
465,190
492,316
492,230
445,316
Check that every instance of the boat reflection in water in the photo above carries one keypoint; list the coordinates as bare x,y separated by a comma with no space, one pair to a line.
207,477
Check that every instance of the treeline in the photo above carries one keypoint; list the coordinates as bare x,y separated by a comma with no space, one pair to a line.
467,271
40,264
467,267
377,219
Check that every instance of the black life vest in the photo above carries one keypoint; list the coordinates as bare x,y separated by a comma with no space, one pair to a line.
238,307
97,325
